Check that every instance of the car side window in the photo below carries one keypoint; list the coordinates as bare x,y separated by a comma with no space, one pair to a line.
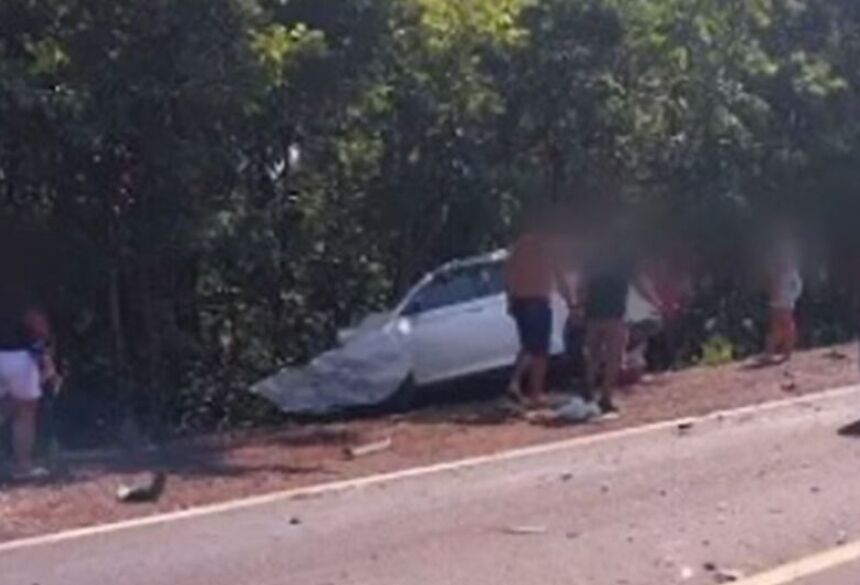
491,279
457,286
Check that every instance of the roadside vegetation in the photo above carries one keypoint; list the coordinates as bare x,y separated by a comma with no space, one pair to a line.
224,183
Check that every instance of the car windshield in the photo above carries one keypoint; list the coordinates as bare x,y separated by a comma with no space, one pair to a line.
458,285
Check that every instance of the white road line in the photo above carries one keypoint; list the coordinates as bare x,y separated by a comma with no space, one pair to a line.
807,567
362,482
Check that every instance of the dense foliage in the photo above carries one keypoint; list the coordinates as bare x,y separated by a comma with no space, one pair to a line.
228,181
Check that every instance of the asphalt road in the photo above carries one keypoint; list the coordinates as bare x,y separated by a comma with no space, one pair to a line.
743,493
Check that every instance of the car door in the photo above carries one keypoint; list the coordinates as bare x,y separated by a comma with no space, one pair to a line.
500,343
456,324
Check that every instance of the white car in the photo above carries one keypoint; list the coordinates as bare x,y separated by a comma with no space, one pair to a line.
454,323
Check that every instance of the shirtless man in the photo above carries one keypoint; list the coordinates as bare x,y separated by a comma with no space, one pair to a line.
531,275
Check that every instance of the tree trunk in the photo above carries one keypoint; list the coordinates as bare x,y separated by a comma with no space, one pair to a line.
151,344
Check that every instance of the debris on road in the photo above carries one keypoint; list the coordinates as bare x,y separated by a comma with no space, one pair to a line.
836,355
525,530
369,448
687,395
574,411
728,576
722,575
295,521
577,410
147,490
685,427
789,383
566,477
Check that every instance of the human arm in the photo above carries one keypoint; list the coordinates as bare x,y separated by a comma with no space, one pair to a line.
38,329
645,287
567,292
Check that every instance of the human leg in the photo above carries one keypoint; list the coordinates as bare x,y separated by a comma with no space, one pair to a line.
24,433
775,335
537,379
521,366
594,344
540,330
523,360
615,342
789,332
534,323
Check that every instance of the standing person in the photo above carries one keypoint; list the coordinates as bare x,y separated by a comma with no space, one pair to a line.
785,288
25,365
530,275
673,285
604,293
574,333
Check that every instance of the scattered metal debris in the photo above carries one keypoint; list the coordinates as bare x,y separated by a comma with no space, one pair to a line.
147,490
722,575
368,448
836,355
728,576
685,427
525,530
789,382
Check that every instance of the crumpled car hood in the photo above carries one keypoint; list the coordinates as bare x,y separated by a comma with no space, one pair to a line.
367,370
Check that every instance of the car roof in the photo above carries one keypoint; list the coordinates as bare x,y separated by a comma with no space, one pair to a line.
489,258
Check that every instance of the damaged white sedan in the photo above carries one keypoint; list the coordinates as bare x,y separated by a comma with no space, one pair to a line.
454,323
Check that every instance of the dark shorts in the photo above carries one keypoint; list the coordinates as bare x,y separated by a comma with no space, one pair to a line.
534,324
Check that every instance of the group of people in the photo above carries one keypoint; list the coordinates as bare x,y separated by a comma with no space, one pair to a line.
594,279
595,282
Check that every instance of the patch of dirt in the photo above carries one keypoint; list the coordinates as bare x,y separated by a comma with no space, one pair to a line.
84,494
